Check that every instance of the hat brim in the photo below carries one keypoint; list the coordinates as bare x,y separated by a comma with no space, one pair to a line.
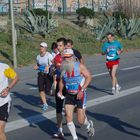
43,46
67,55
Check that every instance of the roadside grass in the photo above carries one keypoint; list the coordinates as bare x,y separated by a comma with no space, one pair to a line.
28,45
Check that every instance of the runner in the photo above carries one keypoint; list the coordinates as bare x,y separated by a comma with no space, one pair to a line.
54,49
5,100
61,42
75,78
76,52
112,49
44,61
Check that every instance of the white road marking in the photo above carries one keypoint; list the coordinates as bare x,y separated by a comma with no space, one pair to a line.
123,69
14,125
33,88
130,68
100,74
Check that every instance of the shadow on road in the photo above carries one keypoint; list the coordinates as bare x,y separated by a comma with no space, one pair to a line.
33,100
100,89
45,124
32,85
115,123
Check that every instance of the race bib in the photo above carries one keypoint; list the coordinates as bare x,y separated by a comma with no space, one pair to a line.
72,87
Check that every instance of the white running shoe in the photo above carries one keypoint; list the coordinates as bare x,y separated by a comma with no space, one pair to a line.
58,135
113,90
118,88
90,129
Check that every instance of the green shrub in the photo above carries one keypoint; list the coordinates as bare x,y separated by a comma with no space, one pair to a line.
40,12
117,15
86,12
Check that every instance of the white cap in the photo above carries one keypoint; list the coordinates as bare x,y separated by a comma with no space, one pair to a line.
67,53
43,44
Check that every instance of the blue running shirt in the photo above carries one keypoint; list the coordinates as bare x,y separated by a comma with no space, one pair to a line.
110,49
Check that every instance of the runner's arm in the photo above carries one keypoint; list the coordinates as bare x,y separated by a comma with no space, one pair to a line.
61,86
84,71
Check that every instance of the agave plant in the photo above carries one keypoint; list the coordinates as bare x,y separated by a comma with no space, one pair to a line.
129,27
108,25
126,28
37,24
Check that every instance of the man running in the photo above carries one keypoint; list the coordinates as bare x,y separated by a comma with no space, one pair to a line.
5,100
112,49
44,61
61,42
75,78
77,54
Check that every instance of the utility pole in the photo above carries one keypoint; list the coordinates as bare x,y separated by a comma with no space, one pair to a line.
13,34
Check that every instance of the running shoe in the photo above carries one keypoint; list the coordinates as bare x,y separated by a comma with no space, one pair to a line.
90,129
45,107
118,88
113,90
58,135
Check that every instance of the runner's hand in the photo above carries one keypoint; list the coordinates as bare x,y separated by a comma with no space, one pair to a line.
4,92
80,95
47,69
59,94
36,67
119,52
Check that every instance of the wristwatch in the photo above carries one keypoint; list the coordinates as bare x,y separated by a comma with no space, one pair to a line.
8,88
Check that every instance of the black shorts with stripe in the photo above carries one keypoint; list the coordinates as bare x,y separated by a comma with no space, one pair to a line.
72,100
4,111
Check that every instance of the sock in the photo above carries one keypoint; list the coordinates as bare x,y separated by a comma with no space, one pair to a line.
72,129
117,85
60,129
86,123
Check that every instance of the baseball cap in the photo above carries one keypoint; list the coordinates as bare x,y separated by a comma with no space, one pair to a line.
68,53
43,44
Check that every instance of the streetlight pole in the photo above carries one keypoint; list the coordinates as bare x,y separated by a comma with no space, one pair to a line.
13,35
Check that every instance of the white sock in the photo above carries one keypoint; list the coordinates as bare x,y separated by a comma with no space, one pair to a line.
72,129
117,85
60,129
86,123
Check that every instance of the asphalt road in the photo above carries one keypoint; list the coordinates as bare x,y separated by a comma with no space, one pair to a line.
115,116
